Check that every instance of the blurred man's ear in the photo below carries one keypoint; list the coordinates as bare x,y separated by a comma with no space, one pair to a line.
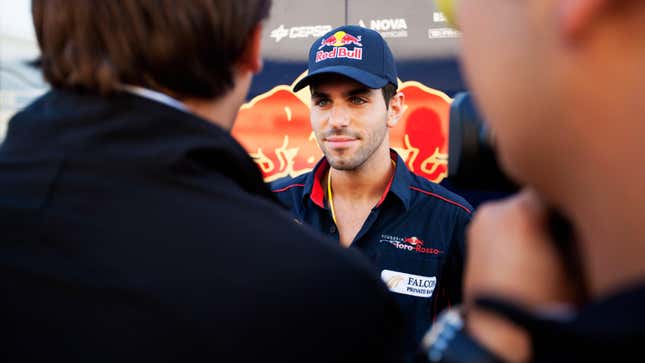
395,109
251,59
575,16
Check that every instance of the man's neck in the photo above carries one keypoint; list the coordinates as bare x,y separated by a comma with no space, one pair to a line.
611,232
599,185
365,183
356,192
222,110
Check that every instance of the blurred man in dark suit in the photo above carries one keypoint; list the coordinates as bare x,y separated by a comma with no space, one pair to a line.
135,228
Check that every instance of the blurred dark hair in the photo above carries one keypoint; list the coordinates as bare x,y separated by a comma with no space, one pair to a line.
185,48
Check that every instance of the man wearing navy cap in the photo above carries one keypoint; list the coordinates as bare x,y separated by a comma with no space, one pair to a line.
362,193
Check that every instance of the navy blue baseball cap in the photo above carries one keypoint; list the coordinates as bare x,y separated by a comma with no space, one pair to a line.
354,52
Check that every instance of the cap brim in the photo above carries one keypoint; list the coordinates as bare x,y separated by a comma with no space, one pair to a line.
365,78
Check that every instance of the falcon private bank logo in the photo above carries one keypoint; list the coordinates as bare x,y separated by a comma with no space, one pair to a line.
274,129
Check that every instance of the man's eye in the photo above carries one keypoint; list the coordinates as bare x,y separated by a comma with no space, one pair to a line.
321,102
357,100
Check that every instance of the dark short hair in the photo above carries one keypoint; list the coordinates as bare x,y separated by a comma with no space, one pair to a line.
185,48
388,92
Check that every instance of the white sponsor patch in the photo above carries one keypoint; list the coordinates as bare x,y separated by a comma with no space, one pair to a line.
389,28
407,284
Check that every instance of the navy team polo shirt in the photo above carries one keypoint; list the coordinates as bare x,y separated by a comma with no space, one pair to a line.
414,236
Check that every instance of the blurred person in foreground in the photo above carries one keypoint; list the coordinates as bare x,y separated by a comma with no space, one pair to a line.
561,83
362,194
135,228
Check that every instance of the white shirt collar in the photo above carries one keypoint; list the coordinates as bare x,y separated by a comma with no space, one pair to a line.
155,96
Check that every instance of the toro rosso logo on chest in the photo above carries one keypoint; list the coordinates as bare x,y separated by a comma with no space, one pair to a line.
413,241
339,41
412,244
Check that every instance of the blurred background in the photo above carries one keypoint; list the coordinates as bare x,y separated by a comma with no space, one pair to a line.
20,82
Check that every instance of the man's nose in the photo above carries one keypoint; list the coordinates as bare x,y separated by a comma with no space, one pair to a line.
339,117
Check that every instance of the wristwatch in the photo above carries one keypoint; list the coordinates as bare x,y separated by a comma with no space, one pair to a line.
447,342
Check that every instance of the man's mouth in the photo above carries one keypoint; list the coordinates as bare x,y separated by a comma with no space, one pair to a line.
340,142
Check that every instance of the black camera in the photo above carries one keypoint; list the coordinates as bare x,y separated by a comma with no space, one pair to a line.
472,162
472,165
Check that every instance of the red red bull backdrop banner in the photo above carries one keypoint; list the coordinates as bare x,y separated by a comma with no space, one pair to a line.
274,124
275,129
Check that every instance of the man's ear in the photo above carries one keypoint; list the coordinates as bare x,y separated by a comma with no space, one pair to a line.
575,16
395,109
251,59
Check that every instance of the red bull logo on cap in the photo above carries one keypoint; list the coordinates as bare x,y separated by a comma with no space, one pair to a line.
339,40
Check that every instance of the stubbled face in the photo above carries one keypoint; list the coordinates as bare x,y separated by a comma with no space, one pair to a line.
508,50
350,122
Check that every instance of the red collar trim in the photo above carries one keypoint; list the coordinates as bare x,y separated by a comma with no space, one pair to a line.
394,158
387,190
317,192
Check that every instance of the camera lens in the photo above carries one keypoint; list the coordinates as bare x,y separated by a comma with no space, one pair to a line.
472,162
